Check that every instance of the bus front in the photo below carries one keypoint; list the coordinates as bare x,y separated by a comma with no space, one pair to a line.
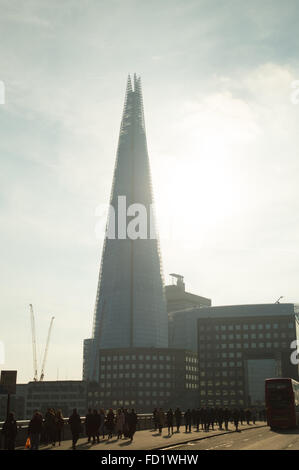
280,403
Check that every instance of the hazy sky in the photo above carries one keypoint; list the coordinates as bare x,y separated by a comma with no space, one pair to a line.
222,132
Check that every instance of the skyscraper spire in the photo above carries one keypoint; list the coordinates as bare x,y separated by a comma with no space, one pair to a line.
130,308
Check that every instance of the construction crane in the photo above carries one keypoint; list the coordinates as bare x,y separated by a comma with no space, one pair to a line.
33,343
46,351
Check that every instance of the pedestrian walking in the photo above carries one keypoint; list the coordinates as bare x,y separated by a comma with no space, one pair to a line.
248,415
76,427
51,426
188,420
197,419
178,419
59,426
94,426
161,420
242,416
226,417
119,423
9,431
126,425
88,424
193,416
155,419
35,429
169,420
132,423
110,423
236,417
253,415
220,418
202,418
102,418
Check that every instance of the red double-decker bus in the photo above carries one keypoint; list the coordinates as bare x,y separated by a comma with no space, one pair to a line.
282,403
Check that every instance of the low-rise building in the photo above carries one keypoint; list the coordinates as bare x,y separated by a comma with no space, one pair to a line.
146,378
60,394
239,346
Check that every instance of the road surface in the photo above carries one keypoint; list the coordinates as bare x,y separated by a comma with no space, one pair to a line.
249,439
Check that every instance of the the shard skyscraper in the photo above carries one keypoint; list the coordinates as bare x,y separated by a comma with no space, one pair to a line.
130,310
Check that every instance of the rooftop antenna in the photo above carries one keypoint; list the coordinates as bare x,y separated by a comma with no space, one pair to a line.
277,301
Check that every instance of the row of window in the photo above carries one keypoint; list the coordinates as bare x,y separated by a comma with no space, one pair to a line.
247,336
191,359
128,403
222,393
55,396
134,357
191,386
191,369
252,326
223,383
141,384
225,403
268,344
226,364
191,377
134,366
223,373
133,375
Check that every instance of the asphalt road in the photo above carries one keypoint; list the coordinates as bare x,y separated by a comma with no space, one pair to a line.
255,439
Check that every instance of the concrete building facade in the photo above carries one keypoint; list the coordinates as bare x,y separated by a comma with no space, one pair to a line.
145,378
240,346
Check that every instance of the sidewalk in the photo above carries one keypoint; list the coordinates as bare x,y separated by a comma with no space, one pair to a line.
150,439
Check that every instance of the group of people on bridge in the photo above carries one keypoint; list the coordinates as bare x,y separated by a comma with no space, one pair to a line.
205,417
122,423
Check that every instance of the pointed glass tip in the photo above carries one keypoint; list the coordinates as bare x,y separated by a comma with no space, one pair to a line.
136,83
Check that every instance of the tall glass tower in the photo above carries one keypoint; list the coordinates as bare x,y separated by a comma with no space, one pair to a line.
130,309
